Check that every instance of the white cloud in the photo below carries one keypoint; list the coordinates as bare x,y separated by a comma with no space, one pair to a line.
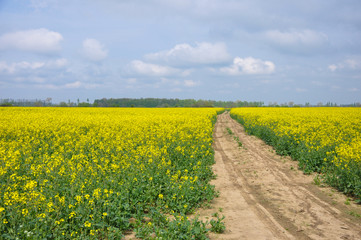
190,83
172,82
16,67
142,68
76,84
59,63
35,40
348,64
353,90
93,50
333,67
294,37
249,65
306,41
352,63
30,79
185,54
71,85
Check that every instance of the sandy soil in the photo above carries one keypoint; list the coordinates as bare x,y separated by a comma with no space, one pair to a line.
265,196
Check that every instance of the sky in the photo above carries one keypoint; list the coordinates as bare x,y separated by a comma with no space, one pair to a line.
249,50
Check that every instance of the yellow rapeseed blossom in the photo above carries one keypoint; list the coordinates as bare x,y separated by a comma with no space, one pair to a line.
320,138
72,214
72,163
87,224
25,212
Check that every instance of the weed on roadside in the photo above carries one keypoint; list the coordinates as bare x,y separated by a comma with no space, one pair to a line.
217,226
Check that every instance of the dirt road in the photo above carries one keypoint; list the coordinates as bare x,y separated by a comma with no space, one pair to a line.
265,196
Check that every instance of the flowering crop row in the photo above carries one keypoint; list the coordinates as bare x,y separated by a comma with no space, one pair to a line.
74,173
326,140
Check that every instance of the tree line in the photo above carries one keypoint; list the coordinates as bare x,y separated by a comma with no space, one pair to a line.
165,102
158,103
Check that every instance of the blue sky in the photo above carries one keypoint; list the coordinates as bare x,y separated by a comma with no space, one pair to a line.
253,50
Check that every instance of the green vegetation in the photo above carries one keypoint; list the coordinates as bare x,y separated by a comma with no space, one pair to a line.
217,224
163,102
98,173
322,140
234,137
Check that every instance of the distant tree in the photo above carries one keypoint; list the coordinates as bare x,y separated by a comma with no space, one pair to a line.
84,104
48,101
63,104
38,104
6,104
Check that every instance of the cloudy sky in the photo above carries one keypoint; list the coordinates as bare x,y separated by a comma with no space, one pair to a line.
253,50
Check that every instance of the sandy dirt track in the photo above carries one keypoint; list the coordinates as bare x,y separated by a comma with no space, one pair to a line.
265,196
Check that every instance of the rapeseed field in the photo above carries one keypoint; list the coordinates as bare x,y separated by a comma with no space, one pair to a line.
325,140
94,173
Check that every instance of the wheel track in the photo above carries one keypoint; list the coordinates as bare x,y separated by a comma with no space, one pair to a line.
240,183
306,217
281,175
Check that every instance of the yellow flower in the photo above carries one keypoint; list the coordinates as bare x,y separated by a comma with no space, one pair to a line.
87,224
93,149
78,198
72,214
25,212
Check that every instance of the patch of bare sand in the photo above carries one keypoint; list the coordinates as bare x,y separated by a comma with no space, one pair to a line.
265,196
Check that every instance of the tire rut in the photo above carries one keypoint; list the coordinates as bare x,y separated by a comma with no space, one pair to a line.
279,200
